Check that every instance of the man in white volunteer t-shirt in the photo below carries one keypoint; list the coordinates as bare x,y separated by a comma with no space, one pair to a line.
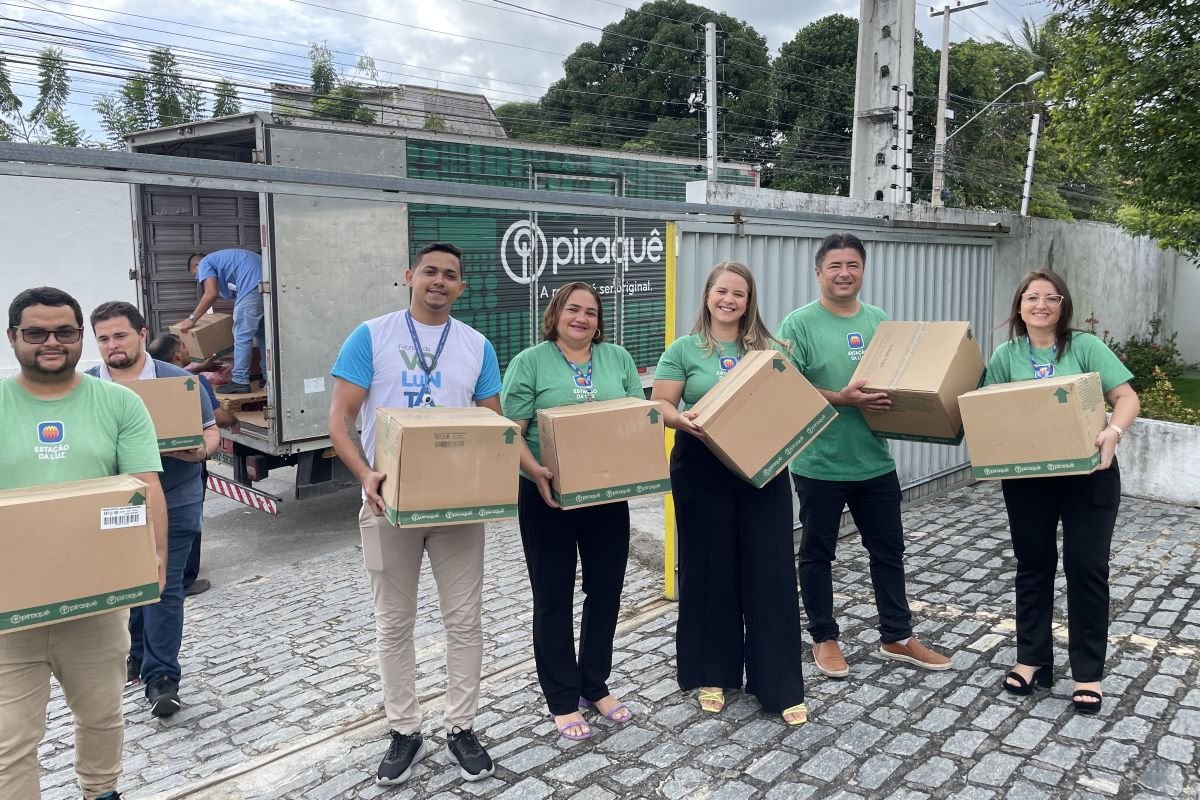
418,357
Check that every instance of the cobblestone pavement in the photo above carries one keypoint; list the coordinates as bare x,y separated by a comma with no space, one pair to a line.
282,699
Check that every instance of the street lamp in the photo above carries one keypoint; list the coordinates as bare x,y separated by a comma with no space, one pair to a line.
939,145
1032,79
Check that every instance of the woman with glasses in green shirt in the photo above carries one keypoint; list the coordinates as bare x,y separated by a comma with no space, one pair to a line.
1041,344
573,364
739,609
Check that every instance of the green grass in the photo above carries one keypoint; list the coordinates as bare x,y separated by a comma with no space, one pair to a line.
1189,391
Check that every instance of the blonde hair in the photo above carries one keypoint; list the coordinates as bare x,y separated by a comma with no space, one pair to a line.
753,334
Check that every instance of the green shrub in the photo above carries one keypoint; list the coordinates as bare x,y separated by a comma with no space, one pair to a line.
1161,401
1142,355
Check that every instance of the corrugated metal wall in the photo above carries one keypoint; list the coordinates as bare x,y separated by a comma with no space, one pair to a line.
913,276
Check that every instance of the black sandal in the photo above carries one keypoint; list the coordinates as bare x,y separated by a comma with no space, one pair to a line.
1086,706
1043,677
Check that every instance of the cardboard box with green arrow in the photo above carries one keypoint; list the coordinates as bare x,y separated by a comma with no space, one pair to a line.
604,452
75,549
1029,429
174,406
446,466
762,415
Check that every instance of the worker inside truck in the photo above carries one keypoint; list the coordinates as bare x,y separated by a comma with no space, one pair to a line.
235,275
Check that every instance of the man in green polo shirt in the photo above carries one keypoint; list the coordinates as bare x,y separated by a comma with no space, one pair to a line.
847,465
61,425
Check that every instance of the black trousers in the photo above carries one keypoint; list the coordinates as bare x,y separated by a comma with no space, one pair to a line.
1087,506
596,539
738,604
875,506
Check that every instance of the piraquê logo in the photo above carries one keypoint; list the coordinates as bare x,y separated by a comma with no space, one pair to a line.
525,250
52,432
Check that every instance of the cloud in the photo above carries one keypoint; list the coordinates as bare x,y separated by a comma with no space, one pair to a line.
467,45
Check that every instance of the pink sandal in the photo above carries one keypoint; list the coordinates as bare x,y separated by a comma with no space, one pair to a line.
574,723
584,703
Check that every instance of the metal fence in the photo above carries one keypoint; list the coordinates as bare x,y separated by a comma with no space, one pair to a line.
913,276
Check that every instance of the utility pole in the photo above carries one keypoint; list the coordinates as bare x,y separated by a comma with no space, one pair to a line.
939,141
711,98
1028,188
886,32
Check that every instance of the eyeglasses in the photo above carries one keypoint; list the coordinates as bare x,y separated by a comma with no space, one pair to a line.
40,335
1052,300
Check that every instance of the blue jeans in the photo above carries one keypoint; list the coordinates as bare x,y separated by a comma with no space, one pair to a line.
248,327
156,630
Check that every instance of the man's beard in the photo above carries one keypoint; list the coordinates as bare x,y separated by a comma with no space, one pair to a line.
39,374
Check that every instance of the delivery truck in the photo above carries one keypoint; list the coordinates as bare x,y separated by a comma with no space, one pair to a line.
330,263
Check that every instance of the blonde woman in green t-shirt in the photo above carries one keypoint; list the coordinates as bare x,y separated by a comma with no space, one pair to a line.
1040,345
572,365
739,610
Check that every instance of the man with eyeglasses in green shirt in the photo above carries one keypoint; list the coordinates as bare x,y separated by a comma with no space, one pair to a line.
61,425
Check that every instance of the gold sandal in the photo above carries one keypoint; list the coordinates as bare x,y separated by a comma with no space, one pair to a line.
712,701
800,709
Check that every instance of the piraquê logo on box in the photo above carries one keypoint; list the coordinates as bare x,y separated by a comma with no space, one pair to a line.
51,432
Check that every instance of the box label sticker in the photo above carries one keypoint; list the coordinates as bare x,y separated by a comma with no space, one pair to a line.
122,517
314,385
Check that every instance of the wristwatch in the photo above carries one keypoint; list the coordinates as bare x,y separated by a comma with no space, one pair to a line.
192,317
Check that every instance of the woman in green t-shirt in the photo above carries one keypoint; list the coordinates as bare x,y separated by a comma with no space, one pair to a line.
738,604
572,365
1041,344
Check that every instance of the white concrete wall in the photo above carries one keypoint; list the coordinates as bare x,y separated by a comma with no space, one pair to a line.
1122,280
1158,462
1187,304
72,235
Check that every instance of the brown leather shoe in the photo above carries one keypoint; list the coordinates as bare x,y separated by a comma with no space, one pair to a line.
915,653
829,659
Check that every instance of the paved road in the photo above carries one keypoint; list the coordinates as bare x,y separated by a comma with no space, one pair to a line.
282,697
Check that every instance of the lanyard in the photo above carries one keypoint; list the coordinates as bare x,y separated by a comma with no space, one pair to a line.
583,380
425,398
1041,370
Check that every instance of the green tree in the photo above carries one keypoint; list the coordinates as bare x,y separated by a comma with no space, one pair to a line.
160,96
336,96
642,70
226,101
47,122
1125,94
10,104
522,120
813,86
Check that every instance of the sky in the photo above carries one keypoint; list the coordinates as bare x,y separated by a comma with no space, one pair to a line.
510,50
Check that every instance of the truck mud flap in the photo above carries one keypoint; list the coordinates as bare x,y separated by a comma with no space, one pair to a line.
243,494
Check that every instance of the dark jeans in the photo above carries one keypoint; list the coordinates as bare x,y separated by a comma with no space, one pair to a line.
875,506
1087,506
596,539
192,568
738,604
156,630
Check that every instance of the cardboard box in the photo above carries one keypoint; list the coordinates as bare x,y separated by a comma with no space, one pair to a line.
212,336
604,452
75,549
762,415
924,367
1029,429
174,406
446,466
